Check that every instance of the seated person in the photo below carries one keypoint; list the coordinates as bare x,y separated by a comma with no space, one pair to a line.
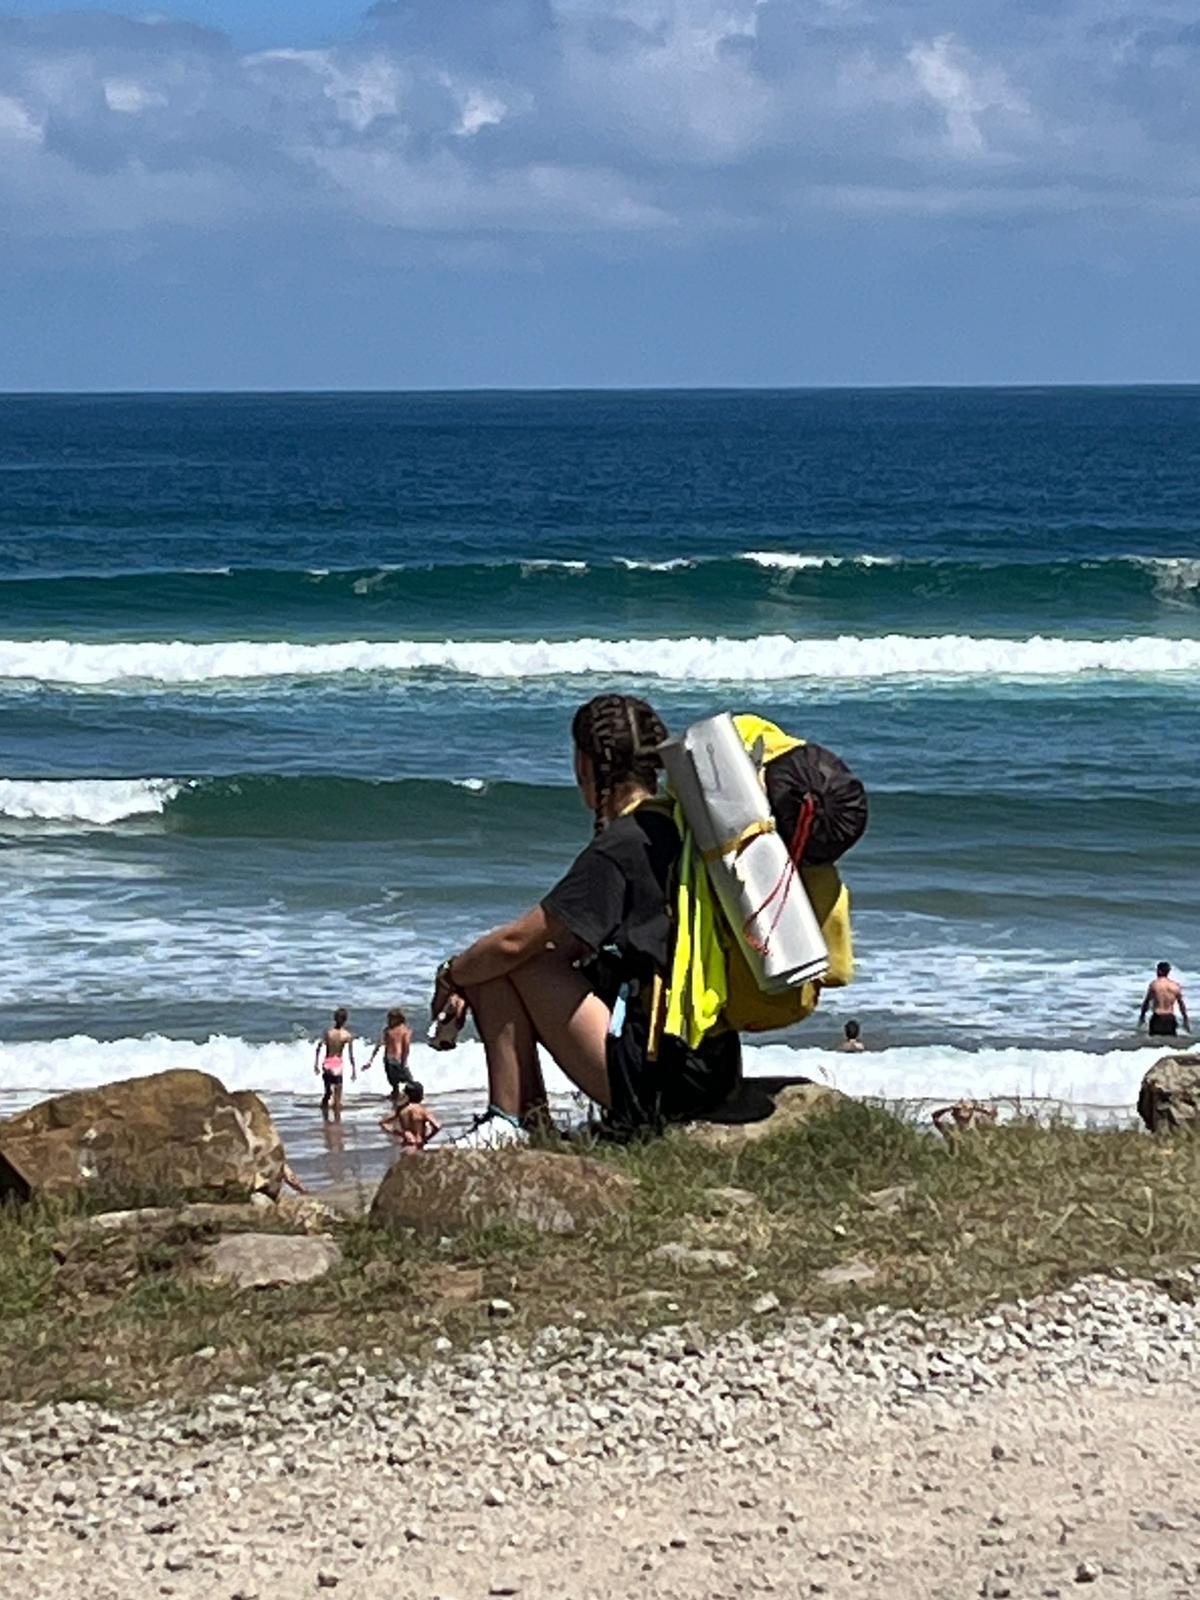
552,977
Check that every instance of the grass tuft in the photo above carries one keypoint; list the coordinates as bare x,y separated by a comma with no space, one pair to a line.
1010,1212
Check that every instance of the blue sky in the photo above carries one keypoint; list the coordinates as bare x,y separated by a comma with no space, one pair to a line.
572,192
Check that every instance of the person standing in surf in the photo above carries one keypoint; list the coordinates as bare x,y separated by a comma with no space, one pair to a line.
553,977
1163,996
395,1041
338,1044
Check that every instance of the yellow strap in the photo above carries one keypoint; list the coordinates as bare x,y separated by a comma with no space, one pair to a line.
736,845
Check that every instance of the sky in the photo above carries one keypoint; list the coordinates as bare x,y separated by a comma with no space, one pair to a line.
512,193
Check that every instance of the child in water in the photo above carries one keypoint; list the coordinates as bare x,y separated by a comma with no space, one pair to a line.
395,1041
336,1042
412,1123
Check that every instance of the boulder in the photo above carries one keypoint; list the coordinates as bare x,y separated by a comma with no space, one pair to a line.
453,1191
1170,1094
266,1260
797,1103
171,1132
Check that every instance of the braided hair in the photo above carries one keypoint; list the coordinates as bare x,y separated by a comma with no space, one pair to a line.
620,735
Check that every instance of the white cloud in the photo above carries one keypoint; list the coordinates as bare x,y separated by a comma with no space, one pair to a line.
964,92
16,122
361,89
480,110
130,98
595,116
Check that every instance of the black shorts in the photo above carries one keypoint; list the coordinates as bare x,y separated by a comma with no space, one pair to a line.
397,1073
678,1086
331,1080
1163,1027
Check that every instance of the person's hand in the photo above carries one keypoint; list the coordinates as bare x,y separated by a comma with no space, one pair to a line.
453,1007
445,995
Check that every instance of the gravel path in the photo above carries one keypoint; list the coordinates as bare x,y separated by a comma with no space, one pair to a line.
1050,1448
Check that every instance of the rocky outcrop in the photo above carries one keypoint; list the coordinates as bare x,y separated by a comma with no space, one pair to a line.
1170,1094
454,1191
170,1133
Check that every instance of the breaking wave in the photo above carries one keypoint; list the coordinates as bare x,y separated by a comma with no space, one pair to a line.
767,658
1100,1085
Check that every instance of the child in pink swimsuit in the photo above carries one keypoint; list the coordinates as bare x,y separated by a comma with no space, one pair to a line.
335,1042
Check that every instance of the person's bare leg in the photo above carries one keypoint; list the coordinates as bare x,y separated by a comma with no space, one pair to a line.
515,1082
569,1018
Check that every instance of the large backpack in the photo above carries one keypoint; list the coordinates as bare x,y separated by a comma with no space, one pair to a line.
820,810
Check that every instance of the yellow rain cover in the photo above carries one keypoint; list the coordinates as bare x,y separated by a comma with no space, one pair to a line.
711,983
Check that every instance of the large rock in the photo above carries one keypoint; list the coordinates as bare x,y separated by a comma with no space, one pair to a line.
172,1132
267,1260
797,1103
1170,1094
453,1191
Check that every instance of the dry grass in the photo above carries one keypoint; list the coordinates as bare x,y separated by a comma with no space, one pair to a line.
1006,1213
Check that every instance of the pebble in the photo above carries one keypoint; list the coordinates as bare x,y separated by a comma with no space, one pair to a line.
512,1418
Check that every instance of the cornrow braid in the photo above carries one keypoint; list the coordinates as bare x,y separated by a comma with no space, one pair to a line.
620,735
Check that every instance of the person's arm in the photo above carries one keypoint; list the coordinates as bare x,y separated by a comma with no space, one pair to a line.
350,1053
1146,1004
432,1125
388,1123
374,1053
1187,1027
317,1058
498,953
405,1046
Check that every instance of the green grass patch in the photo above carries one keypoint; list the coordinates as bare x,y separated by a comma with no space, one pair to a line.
999,1214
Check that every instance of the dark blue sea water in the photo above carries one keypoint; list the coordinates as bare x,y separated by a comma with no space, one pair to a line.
285,684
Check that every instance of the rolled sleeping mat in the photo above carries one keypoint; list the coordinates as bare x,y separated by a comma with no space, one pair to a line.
761,893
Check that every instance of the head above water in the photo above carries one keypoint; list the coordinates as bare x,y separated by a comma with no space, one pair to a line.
852,1030
340,1017
414,1093
1164,969
396,1018
617,739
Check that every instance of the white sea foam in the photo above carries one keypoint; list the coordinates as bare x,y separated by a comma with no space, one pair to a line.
675,564
1176,578
1103,1086
773,658
90,801
787,561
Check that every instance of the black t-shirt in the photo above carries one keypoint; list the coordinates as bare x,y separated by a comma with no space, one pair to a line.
618,893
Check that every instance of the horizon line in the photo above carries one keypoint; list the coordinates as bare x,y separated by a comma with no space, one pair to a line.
266,391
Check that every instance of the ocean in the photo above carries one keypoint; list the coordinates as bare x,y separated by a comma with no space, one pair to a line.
286,680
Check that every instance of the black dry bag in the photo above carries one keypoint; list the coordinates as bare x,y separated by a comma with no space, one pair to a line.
838,816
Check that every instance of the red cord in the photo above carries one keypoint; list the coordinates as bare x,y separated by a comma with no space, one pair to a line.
804,827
